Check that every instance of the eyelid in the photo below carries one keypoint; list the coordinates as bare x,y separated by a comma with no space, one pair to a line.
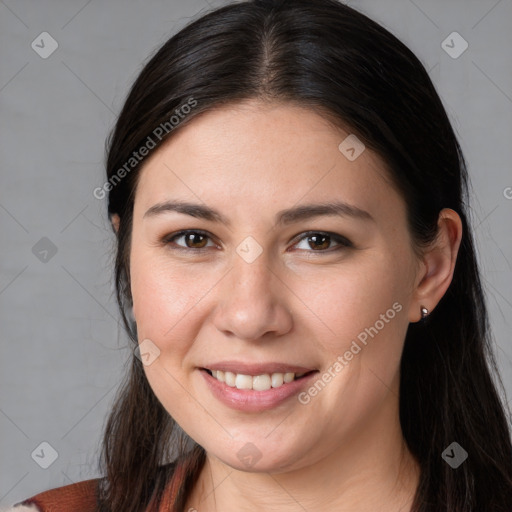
167,239
339,239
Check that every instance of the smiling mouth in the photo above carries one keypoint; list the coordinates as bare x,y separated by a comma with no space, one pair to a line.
262,382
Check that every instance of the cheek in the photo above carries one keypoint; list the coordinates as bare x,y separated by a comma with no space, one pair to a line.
361,328
167,299
165,302
352,300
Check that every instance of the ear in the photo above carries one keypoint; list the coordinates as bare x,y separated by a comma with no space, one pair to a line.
115,222
438,264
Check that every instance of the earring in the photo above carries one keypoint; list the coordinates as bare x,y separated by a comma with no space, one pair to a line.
424,312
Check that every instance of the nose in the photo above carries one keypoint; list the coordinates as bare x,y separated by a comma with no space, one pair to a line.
253,302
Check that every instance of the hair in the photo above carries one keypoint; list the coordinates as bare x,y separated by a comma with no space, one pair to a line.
332,59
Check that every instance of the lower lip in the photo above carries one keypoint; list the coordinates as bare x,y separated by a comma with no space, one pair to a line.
250,400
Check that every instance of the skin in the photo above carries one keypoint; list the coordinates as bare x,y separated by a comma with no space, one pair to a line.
344,449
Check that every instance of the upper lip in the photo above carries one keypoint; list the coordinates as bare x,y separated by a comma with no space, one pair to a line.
254,369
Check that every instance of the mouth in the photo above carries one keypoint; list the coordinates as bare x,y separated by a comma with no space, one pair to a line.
262,382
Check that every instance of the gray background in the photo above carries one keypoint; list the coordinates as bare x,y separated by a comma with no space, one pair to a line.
62,349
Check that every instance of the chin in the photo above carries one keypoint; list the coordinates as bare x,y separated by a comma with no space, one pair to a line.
252,461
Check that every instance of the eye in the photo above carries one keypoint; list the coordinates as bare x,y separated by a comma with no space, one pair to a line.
193,239
319,241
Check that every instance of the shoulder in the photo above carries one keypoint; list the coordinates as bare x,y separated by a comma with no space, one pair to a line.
83,496
21,508
77,497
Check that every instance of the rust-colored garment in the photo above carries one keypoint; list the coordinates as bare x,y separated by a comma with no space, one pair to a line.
82,496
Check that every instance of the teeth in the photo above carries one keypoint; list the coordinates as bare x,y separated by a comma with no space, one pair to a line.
277,379
258,382
243,381
261,382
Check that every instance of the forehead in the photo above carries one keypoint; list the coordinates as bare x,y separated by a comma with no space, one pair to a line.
260,154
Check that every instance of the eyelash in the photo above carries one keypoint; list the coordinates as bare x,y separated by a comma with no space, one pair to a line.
344,243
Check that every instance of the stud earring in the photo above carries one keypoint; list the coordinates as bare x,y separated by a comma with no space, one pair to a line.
424,312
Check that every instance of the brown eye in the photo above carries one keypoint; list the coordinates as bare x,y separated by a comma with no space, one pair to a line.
315,241
193,240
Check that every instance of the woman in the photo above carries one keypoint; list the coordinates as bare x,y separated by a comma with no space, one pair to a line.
297,272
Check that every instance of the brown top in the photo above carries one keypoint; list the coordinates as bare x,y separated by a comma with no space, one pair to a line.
82,496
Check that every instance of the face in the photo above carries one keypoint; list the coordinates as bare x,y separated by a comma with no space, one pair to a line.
255,281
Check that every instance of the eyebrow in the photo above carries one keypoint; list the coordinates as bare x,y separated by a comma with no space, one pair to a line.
283,217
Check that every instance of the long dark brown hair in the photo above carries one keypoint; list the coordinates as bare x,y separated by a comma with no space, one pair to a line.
341,64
